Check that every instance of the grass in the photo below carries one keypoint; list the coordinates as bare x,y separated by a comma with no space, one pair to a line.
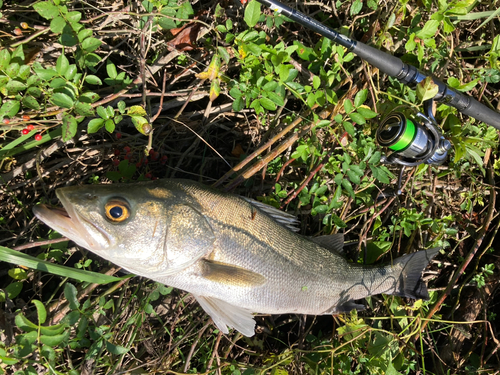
245,100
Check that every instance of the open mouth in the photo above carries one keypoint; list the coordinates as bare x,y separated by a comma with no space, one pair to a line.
66,221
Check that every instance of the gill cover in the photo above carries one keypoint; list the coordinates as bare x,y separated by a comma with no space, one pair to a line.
189,237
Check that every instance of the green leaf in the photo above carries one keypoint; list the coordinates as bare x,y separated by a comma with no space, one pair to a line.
10,108
56,340
252,13
111,69
185,10
141,124
57,25
357,118
40,310
83,109
349,128
24,323
167,23
13,290
338,221
224,54
84,34
115,349
46,9
366,113
93,80
91,44
276,98
17,273
430,29
356,7
74,16
316,82
92,60
71,295
136,110
360,97
110,126
348,186
354,177
427,89
4,58
62,64
238,104
45,74
95,124
69,127
62,100
14,86
121,106
348,106
268,104
101,111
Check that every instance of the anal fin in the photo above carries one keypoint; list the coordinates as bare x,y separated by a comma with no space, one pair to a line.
226,315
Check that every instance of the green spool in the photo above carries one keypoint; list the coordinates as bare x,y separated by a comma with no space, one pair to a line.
406,138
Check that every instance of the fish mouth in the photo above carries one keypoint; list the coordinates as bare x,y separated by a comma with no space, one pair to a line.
69,223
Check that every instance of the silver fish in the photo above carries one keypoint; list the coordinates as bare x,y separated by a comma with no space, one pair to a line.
235,255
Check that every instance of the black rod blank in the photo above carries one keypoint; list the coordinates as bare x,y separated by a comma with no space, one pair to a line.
392,66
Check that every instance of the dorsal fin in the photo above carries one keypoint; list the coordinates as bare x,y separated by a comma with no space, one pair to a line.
287,220
332,242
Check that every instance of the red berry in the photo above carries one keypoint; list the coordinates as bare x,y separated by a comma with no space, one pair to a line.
38,137
146,161
163,159
6,121
128,156
116,152
18,31
151,152
138,164
116,162
126,149
26,117
148,175
118,135
25,131
30,127
155,156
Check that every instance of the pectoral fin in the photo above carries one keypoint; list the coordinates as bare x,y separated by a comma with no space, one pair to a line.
226,315
230,275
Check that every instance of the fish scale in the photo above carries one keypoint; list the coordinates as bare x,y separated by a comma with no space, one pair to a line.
235,255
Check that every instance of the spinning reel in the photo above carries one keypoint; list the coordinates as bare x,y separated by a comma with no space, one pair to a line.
414,138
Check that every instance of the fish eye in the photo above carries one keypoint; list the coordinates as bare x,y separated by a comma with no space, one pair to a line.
117,210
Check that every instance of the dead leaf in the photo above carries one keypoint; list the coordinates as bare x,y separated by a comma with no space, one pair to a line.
185,37
237,151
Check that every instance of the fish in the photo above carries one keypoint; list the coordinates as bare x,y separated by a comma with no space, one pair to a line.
237,256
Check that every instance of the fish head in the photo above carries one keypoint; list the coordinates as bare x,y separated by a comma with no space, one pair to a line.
135,226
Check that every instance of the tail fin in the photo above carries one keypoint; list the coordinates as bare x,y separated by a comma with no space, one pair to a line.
410,283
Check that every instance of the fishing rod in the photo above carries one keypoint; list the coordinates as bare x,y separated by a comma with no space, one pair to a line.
416,138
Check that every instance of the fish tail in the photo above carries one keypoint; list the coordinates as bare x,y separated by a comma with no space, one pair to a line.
411,284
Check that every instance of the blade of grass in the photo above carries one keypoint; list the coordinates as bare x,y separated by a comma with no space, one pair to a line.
15,257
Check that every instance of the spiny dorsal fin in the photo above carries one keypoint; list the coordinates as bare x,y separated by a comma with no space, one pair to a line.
230,275
226,315
287,220
332,242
